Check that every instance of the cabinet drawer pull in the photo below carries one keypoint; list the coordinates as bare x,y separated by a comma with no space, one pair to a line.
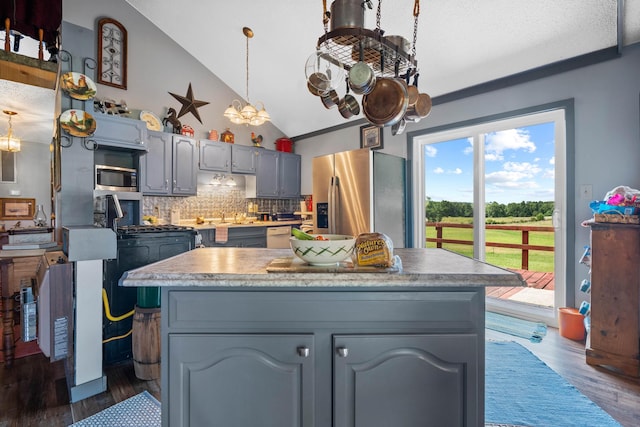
343,351
303,351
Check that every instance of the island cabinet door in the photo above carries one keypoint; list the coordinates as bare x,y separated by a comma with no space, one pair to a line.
241,380
407,380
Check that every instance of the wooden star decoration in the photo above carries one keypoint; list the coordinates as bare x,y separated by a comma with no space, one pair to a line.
189,105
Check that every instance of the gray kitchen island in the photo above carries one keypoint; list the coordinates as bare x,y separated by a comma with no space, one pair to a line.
254,337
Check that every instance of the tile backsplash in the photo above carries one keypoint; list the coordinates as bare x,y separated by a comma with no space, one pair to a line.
213,200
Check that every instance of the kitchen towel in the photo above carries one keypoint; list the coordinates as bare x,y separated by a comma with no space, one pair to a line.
222,233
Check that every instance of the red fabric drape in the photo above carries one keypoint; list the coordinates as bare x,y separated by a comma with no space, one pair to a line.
27,16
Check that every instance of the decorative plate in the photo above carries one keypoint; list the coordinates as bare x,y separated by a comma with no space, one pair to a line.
77,123
78,86
153,121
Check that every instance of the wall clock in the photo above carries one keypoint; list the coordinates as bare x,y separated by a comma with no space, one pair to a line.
112,53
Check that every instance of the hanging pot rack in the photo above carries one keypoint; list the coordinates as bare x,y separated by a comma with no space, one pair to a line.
344,45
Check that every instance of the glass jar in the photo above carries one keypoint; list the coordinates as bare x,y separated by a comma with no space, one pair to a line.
40,218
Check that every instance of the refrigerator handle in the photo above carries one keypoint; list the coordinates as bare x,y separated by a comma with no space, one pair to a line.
333,205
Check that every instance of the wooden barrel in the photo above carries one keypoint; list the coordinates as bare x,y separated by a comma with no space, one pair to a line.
146,343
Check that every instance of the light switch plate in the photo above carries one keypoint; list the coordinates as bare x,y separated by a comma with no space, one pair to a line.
586,192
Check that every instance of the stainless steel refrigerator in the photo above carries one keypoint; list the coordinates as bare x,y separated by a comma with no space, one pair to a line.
360,191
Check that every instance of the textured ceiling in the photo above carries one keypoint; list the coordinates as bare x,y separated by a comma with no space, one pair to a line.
460,44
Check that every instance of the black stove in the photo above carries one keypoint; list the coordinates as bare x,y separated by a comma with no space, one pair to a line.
137,245
127,230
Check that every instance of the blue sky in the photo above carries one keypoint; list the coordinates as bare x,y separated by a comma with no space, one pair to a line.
519,166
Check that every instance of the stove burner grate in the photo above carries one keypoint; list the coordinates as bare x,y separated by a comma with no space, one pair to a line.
140,229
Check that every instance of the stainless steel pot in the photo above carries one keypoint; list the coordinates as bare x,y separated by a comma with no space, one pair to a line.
362,79
347,14
349,106
330,99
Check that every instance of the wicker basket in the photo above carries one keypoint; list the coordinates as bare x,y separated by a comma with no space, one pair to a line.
617,218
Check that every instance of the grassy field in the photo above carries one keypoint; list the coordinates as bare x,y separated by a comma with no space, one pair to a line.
503,257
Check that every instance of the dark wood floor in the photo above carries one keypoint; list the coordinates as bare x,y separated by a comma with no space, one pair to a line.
34,391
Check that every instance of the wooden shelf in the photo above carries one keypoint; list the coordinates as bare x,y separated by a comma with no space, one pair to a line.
27,70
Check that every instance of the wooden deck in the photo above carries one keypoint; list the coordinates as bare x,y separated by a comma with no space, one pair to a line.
534,279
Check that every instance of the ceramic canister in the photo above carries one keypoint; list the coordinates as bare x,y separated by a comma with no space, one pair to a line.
213,135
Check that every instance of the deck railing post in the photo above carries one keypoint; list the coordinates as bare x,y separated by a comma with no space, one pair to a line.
525,251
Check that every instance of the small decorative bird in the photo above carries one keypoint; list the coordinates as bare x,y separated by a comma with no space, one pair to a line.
256,139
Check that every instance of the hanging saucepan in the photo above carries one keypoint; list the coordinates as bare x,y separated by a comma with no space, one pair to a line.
362,79
323,72
330,99
412,90
386,103
420,109
318,84
348,105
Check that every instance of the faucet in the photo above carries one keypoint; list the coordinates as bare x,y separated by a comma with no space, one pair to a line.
222,221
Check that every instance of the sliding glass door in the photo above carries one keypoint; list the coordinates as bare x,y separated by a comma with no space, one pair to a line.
495,191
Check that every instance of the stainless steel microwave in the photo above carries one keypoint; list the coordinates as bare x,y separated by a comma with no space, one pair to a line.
114,178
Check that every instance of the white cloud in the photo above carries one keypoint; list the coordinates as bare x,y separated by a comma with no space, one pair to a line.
496,143
506,178
430,151
456,171
552,161
438,171
524,167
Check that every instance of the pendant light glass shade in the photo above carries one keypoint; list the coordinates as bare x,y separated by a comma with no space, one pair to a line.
246,114
9,142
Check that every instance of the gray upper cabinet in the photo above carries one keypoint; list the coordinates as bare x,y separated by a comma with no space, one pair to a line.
289,176
185,164
215,156
114,131
227,158
244,159
170,165
277,176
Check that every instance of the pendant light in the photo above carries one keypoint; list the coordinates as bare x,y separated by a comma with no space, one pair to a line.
247,114
9,142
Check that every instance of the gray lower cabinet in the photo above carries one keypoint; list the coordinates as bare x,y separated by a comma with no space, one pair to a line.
321,358
237,237
242,380
170,165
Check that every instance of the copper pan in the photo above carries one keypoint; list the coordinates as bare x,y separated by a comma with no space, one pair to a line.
420,109
387,103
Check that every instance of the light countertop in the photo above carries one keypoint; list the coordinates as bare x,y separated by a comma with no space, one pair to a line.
214,224
226,268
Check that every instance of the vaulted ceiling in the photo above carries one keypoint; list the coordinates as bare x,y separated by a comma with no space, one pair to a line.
459,44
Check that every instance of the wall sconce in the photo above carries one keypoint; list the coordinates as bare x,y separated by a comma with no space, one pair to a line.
9,142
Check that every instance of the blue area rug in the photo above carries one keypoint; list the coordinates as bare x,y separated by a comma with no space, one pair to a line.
533,331
141,410
521,389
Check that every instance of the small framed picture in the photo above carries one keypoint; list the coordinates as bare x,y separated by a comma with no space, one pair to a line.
371,137
17,208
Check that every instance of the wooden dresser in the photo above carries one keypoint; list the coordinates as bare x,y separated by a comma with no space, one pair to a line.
614,340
